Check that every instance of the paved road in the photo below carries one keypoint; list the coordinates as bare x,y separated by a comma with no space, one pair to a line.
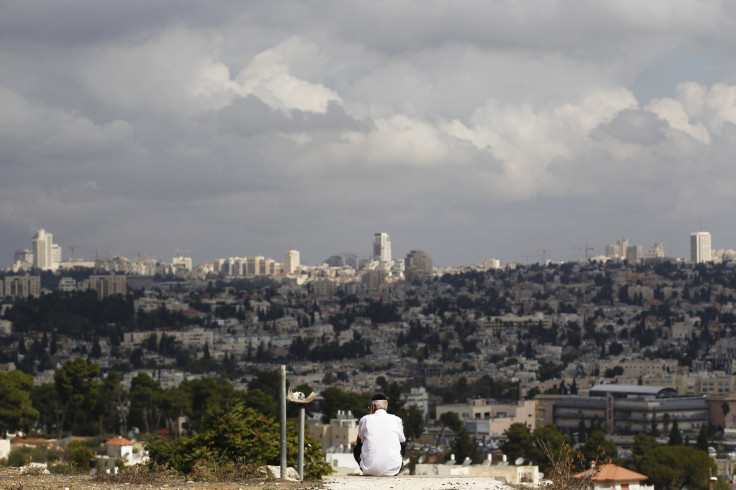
414,483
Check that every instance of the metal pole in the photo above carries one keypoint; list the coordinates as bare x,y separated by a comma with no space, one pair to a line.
283,421
300,460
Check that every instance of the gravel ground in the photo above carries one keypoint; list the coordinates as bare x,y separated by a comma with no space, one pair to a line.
13,479
414,483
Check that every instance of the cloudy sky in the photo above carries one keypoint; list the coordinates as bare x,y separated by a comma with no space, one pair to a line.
513,129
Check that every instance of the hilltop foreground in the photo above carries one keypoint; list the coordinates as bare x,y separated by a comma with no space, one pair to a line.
12,478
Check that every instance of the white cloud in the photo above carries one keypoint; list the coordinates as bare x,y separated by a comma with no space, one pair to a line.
268,76
526,139
699,111
175,72
674,113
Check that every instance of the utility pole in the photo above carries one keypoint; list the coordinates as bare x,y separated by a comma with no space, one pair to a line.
283,421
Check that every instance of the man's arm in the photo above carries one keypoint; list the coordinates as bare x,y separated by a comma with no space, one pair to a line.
402,437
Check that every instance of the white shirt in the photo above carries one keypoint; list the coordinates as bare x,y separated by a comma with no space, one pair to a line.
381,434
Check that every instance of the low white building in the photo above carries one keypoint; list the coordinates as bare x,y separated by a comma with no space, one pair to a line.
4,448
130,452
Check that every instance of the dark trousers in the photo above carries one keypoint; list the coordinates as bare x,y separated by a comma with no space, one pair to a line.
356,452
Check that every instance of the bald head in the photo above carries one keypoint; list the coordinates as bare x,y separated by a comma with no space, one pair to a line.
380,404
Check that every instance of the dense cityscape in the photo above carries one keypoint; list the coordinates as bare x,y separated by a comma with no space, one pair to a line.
605,349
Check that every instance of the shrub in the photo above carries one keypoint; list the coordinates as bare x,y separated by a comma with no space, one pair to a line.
80,457
231,441
20,456
564,468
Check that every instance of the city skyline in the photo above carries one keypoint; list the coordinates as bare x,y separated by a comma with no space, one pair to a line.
700,250
469,130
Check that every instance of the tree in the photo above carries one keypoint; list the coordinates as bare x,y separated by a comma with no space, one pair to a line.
334,399
413,419
114,410
236,433
665,422
464,447
77,389
597,442
643,443
518,442
548,439
450,420
678,467
205,394
702,443
80,456
16,407
675,435
145,395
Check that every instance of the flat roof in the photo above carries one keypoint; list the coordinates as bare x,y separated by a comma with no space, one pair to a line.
599,390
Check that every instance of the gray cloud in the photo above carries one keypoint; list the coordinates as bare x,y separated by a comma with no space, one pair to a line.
468,130
634,126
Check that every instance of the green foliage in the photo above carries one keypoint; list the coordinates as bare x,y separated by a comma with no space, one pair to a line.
549,441
237,434
675,435
80,456
413,419
567,469
22,455
549,370
677,467
19,457
518,442
77,390
595,443
643,444
79,314
463,446
451,420
145,396
380,312
702,442
334,399
16,407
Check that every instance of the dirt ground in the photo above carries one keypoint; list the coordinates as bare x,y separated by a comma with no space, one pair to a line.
13,479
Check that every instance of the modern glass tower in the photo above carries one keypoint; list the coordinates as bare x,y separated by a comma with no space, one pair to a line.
700,246
381,247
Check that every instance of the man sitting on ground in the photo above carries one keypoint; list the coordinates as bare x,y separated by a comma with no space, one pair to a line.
380,444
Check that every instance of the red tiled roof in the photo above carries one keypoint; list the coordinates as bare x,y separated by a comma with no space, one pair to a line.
612,472
119,441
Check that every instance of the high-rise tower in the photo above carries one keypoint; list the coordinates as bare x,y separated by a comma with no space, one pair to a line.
291,261
46,255
418,263
381,247
700,246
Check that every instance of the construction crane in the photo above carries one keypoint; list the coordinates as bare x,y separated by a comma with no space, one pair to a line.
544,254
71,250
586,249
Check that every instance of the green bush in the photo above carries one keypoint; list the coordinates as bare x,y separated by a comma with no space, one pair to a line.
80,457
236,435
19,456
58,469
38,454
